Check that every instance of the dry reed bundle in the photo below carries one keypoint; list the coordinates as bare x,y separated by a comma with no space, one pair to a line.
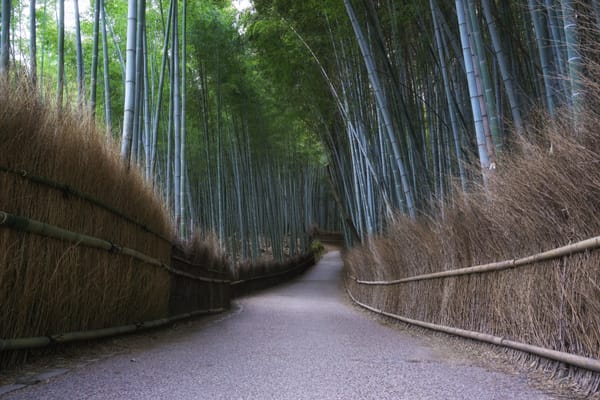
200,256
48,286
266,272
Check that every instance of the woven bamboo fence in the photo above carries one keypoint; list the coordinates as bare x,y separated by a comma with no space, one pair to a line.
190,294
86,246
551,312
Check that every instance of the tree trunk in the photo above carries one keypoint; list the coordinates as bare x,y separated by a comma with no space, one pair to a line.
5,37
94,72
177,121
79,56
61,53
130,84
32,43
540,37
383,107
507,78
106,62
573,56
473,91
182,160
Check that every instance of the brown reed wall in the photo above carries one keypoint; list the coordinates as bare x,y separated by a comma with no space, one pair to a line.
48,286
51,165
540,200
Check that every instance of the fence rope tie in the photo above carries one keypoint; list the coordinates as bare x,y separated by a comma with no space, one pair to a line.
114,249
70,191
3,217
66,189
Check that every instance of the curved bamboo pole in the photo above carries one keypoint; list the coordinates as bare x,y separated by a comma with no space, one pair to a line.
81,195
584,245
39,228
43,341
587,363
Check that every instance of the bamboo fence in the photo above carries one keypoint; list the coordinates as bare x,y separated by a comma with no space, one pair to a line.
70,191
30,226
579,247
575,360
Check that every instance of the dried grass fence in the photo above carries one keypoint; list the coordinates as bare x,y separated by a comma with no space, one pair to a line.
268,273
49,285
563,254
86,248
545,197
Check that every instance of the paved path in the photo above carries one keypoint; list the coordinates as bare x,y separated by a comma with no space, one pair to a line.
298,341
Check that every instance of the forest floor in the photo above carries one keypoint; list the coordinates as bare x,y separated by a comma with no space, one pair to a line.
301,340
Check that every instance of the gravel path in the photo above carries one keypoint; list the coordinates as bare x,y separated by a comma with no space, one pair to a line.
298,341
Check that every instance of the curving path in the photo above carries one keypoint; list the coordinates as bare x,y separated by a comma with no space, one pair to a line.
298,341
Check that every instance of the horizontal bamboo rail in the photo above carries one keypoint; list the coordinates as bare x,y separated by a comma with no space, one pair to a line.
39,228
579,247
43,341
191,264
587,363
84,196
23,224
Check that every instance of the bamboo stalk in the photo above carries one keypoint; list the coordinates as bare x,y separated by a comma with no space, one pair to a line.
43,341
587,363
84,196
39,228
584,245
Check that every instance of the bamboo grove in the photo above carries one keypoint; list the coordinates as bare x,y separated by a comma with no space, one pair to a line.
238,119
425,98
176,84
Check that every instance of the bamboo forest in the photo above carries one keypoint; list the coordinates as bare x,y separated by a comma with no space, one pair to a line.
427,136
387,104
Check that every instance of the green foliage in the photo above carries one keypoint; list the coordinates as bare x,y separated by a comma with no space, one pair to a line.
317,248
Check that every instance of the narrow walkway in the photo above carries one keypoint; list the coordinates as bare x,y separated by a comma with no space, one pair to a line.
298,341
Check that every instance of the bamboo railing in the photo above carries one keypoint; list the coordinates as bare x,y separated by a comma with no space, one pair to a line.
39,228
579,247
68,190
575,360
587,363
27,225
43,341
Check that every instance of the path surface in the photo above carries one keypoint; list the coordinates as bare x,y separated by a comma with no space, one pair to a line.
298,341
